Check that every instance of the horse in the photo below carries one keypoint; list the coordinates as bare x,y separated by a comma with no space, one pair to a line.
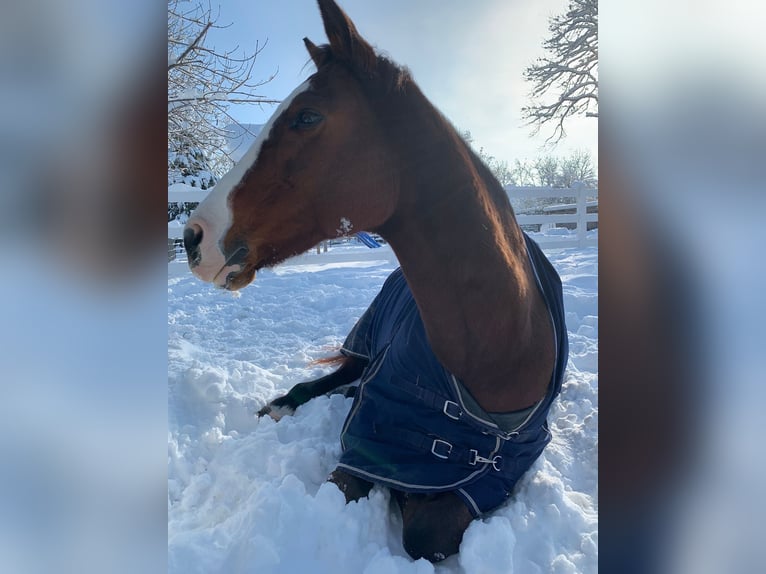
462,352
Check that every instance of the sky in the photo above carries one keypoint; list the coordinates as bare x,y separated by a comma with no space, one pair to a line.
467,57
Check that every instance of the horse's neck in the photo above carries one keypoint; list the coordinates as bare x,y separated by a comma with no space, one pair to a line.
465,260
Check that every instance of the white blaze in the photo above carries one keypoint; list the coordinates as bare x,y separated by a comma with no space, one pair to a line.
214,215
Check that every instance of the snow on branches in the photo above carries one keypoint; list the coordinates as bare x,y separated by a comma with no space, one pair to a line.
570,70
202,82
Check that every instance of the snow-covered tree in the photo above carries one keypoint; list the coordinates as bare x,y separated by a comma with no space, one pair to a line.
202,83
189,166
565,81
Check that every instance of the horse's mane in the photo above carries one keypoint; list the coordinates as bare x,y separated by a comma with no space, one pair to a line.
494,187
386,76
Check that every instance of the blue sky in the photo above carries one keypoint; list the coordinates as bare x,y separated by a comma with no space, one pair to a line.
467,57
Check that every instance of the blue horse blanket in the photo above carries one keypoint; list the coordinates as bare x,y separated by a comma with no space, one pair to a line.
410,427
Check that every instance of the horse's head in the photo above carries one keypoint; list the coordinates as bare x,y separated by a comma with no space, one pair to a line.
318,168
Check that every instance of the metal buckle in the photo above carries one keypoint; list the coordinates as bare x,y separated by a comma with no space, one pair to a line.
496,461
447,405
444,442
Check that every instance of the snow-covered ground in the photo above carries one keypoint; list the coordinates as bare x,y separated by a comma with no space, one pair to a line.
249,495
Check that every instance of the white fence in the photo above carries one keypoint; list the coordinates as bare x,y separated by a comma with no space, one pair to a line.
553,218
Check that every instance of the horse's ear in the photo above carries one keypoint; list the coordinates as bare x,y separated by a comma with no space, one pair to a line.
318,55
345,41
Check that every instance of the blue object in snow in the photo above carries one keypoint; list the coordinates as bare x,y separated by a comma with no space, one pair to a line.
367,239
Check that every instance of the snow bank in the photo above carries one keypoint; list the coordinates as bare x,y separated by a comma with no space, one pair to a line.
250,496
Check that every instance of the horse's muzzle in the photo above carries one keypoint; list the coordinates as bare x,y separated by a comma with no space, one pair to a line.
209,261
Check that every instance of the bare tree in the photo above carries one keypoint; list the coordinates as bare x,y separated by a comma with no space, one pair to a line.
578,167
570,70
555,171
203,82
523,173
548,171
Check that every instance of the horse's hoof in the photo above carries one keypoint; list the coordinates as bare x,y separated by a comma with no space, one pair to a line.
276,412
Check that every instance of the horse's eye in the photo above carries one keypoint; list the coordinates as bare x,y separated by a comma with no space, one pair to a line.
307,119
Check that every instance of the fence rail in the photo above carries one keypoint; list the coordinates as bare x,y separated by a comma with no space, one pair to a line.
552,217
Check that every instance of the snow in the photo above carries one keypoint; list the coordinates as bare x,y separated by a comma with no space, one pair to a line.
250,495
182,187
345,226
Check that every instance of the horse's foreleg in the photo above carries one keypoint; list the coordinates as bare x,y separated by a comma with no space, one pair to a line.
433,524
349,371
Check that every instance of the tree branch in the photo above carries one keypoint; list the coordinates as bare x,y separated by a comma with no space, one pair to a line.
203,82
190,47
571,70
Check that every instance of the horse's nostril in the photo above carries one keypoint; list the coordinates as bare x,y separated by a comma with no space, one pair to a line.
192,236
192,240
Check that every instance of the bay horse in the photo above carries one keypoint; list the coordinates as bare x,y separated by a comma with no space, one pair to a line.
463,350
